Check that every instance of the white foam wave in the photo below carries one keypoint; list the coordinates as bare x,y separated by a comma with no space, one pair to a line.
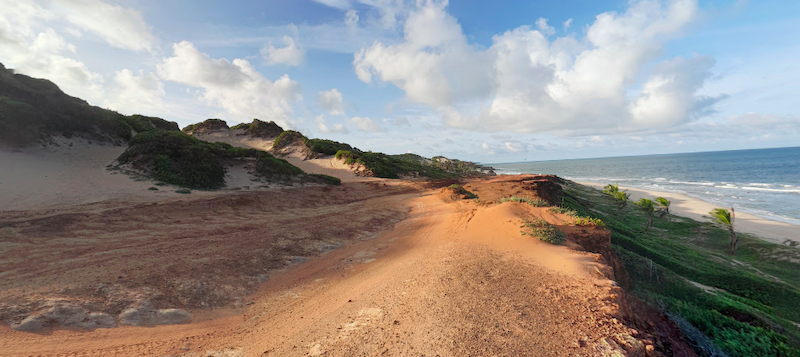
693,183
763,189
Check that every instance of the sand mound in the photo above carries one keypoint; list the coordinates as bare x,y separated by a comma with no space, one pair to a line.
291,144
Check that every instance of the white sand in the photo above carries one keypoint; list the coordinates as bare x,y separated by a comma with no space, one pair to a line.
697,209
70,173
329,166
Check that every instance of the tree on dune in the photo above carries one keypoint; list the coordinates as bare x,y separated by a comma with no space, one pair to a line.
663,204
611,189
622,197
724,219
649,208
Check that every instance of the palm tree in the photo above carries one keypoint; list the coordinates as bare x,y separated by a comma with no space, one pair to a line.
649,208
724,218
664,204
611,189
622,197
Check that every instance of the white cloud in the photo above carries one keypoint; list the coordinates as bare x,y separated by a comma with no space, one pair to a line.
289,54
610,81
118,26
331,101
351,19
339,4
401,121
567,23
30,46
131,93
366,124
541,24
514,146
323,127
234,86
434,65
33,49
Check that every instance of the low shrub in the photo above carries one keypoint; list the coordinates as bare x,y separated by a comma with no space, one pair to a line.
183,191
535,202
546,232
328,180
588,221
458,189
179,159
563,210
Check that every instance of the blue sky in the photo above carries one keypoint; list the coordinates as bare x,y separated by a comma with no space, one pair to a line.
475,80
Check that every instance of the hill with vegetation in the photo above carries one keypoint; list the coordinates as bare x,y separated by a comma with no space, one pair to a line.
33,110
383,165
177,158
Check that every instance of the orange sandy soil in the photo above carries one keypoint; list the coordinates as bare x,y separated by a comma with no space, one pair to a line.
417,272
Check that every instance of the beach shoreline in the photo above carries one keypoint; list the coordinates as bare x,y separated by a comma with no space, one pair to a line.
683,205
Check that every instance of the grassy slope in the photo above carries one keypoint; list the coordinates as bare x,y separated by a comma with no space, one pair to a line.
754,314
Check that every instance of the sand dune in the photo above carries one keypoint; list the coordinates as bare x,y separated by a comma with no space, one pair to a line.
71,172
697,209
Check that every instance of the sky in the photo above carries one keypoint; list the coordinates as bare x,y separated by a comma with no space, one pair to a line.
489,82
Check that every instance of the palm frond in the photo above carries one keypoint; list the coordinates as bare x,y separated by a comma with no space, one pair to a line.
721,216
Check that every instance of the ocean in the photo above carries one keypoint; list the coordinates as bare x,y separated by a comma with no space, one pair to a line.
764,182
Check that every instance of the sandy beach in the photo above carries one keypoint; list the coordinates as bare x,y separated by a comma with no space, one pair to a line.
697,209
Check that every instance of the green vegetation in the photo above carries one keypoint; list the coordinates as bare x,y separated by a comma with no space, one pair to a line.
327,147
260,128
535,202
208,124
389,166
546,232
563,210
588,222
183,191
141,123
380,164
663,205
458,189
621,197
453,166
177,158
724,219
328,180
746,306
649,208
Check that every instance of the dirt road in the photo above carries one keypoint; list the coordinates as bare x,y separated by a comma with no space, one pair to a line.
451,279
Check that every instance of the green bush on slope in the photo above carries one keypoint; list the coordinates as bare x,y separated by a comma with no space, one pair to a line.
179,159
